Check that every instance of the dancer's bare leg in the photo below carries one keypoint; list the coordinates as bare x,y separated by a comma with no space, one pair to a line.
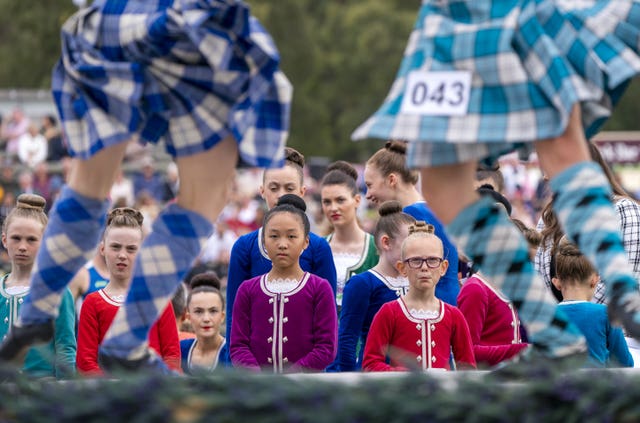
75,224
178,234
582,202
484,232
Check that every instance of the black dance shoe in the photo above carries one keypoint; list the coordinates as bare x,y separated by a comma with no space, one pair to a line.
149,363
624,310
20,338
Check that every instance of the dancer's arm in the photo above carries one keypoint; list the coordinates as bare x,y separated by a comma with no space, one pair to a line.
239,271
323,264
325,328
240,347
379,341
88,338
355,303
65,337
169,341
461,342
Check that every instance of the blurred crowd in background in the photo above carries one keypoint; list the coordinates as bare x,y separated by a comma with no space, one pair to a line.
34,160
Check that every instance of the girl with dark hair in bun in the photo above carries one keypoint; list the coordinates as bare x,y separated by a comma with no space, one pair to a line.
205,312
387,177
365,293
119,247
286,319
354,250
249,257
22,232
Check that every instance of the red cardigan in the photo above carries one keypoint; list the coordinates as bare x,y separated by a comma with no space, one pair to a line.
97,313
417,343
493,322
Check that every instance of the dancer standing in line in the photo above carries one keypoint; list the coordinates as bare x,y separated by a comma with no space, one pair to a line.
627,211
119,247
388,178
576,278
366,292
249,257
286,319
205,311
201,76
353,249
418,330
22,232
480,78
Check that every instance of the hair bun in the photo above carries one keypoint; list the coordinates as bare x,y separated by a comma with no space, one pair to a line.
294,156
389,207
421,227
397,146
292,200
31,201
344,167
567,248
125,211
487,190
208,278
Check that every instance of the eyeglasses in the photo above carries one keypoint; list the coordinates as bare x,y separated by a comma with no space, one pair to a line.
416,262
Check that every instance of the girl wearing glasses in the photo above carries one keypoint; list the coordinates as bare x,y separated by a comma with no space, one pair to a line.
418,331
366,292
479,79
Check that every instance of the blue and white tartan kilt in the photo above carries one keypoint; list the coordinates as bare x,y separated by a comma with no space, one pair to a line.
188,72
529,61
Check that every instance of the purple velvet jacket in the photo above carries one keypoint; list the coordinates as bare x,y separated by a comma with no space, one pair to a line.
290,332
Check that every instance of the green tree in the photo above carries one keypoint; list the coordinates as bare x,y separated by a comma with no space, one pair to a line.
340,55
30,40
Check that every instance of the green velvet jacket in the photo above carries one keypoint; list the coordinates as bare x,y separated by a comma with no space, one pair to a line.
56,359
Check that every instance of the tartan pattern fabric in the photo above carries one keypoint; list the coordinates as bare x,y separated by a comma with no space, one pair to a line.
166,255
69,241
487,236
582,203
187,72
530,60
628,212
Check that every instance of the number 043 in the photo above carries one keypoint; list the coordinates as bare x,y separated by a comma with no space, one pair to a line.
437,93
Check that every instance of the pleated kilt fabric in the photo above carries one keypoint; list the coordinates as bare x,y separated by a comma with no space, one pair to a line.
187,72
479,77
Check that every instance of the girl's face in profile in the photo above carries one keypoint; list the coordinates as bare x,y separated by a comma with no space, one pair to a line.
284,239
206,314
378,187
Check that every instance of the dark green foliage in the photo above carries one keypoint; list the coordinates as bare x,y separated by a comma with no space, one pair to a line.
340,55
580,396
30,40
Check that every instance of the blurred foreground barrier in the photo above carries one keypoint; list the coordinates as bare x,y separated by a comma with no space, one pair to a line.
537,394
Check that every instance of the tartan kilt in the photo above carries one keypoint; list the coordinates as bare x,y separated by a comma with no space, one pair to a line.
187,72
529,62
